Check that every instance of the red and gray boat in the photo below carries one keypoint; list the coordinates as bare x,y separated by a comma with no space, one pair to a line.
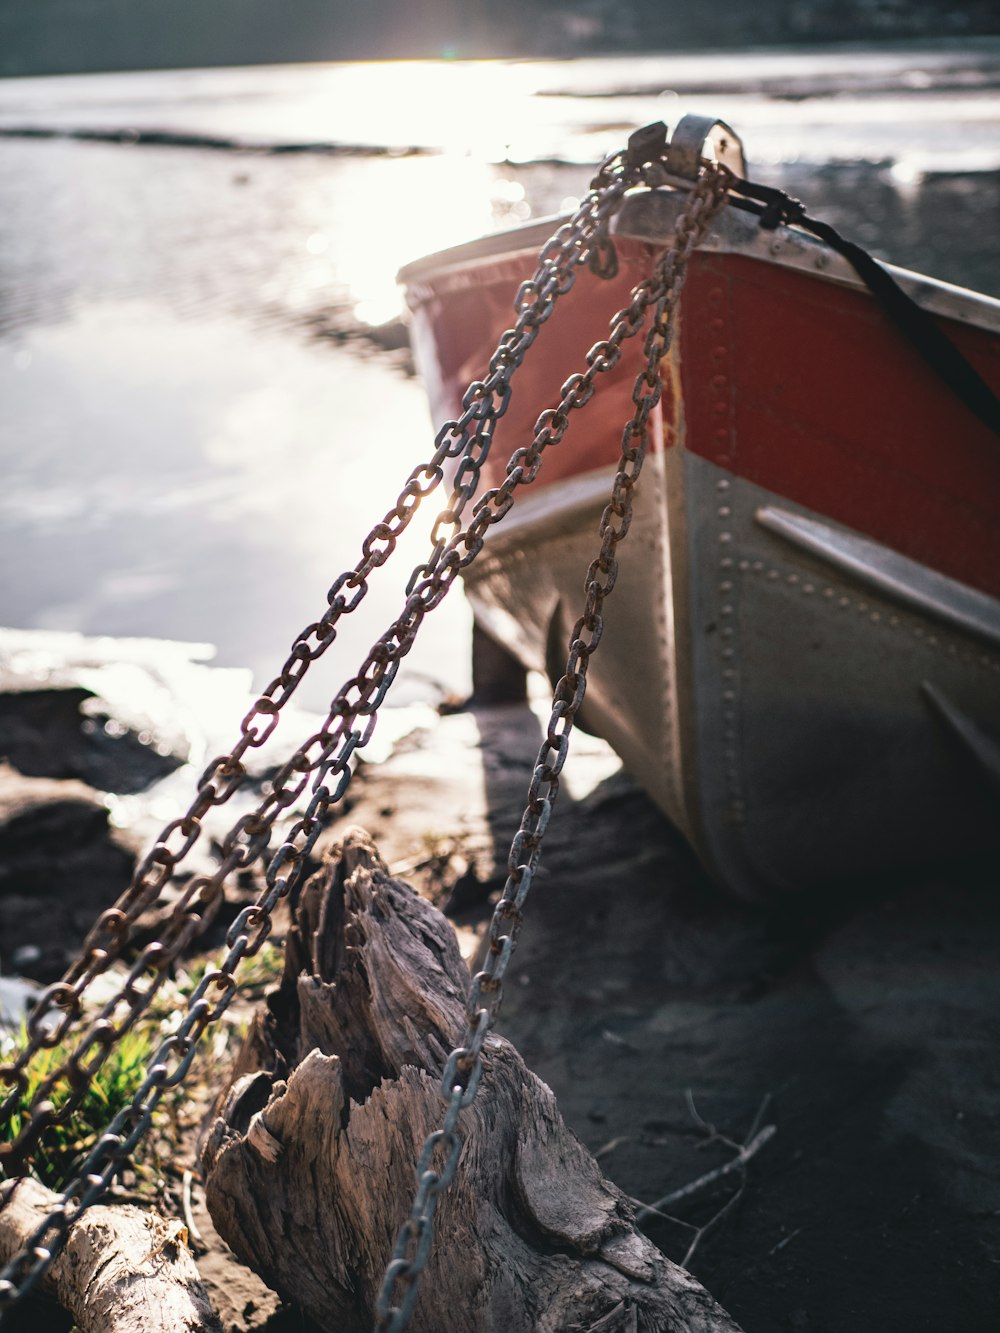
801,658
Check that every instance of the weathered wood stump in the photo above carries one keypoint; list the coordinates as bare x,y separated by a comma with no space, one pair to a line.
124,1270
309,1166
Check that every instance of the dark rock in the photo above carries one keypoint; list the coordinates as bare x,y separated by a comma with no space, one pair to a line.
60,865
63,732
39,817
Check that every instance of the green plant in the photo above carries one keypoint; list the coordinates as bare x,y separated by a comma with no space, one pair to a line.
262,969
64,1145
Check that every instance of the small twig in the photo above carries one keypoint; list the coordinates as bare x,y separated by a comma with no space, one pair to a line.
400,868
765,1102
712,1135
617,1040
193,1232
696,1115
743,1155
755,1140
783,1242
610,1146
666,1217
712,1221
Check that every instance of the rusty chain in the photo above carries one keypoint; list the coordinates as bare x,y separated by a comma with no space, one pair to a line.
463,1069
326,754
467,439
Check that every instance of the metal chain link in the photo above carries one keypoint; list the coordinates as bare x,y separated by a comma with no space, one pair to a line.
463,1069
326,754
467,439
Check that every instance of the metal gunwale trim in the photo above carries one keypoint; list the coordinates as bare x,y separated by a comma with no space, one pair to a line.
897,576
527,237
646,215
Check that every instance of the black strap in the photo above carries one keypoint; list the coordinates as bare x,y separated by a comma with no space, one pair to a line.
917,326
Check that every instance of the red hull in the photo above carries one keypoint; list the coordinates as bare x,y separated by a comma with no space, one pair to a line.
802,387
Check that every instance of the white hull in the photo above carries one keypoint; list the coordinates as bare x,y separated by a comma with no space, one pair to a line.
783,707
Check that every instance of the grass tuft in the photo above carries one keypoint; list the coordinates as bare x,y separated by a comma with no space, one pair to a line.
64,1146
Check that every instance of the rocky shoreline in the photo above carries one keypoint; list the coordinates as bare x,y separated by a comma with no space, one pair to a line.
671,1022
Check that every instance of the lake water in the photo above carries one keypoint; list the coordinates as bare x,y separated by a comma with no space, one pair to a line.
196,428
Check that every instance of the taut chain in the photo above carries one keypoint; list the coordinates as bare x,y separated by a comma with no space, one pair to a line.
325,757
467,439
463,1069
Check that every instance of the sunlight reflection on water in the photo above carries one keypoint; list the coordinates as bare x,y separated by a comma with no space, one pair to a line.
388,213
909,97
188,449
221,479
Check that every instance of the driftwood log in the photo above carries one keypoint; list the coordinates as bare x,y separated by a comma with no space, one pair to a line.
309,1166
124,1270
